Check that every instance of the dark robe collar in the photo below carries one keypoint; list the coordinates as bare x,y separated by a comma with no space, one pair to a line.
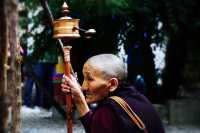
124,89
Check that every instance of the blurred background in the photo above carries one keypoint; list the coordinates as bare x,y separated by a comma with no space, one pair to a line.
157,39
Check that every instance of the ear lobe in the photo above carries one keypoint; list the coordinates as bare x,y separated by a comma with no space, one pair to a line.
113,84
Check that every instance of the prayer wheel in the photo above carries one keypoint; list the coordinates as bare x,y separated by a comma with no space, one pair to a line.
67,28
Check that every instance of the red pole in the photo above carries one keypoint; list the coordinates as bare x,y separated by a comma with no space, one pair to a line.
69,123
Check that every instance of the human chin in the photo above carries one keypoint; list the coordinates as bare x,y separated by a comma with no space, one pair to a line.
91,99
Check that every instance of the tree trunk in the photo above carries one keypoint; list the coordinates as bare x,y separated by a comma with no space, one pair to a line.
3,66
10,90
14,76
175,62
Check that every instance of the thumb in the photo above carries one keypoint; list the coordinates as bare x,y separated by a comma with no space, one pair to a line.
68,80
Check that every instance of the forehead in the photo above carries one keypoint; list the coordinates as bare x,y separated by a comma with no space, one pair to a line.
91,69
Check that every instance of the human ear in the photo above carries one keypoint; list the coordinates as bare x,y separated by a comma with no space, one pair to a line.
113,84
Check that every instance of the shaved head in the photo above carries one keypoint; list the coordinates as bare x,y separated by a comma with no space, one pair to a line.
109,65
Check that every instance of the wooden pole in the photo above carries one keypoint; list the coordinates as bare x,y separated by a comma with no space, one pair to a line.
69,123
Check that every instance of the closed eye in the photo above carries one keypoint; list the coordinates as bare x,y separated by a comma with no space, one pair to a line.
89,78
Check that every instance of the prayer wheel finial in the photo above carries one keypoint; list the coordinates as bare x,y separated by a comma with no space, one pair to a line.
65,9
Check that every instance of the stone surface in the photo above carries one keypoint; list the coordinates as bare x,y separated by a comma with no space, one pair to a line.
184,112
36,121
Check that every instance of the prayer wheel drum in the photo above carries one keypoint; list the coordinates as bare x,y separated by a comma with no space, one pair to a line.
66,27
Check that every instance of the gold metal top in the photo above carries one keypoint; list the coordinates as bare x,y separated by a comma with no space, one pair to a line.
65,9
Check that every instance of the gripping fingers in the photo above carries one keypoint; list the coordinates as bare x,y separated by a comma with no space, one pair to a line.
71,84
65,84
65,88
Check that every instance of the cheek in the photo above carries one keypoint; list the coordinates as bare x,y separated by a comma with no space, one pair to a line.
98,88
101,92
97,92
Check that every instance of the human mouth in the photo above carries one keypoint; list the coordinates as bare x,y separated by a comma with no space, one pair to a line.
89,95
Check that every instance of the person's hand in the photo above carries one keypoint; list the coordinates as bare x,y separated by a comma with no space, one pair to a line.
71,85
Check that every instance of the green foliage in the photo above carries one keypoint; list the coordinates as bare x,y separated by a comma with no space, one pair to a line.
106,15
101,8
34,21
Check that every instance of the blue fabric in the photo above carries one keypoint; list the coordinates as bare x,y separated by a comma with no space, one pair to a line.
28,87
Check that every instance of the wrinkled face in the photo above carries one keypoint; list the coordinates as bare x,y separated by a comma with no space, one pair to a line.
95,86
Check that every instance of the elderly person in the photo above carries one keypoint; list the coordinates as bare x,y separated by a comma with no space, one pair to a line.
105,76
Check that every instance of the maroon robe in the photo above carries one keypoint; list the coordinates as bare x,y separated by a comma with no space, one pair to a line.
108,117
